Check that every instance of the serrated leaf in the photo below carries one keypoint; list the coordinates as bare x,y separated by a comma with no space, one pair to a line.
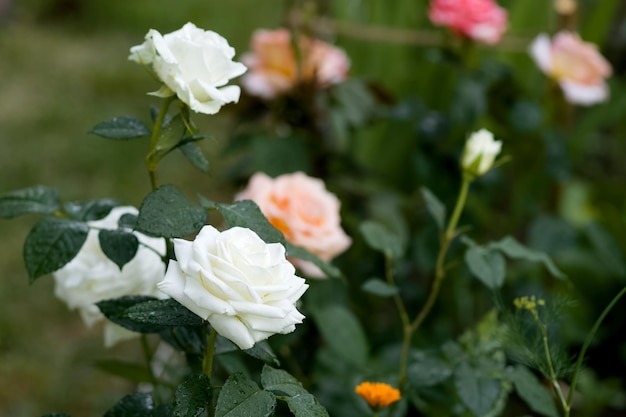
512,248
378,237
166,212
478,392
90,210
162,313
193,396
435,207
119,246
379,287
115,310
530,389
263,351
343,333
486,265
280,381
133,372
194,154
37,199
245,213
51,244
241,397
428,371
121,128
306,405
139,404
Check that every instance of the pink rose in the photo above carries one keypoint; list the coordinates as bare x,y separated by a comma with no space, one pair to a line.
577,66
304,211
481,20
273,66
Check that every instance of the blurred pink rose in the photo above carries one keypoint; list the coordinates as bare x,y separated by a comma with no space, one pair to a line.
481,20
304,211
273,67
577,66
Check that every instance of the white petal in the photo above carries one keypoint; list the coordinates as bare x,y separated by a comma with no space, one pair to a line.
540,50
233,329
584,95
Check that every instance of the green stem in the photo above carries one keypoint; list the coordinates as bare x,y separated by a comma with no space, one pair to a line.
588,340
553,378
207,362
147,353
152,160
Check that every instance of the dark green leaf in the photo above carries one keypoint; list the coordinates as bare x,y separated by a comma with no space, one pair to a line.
133,372
193,396
305,255
428,371
606,249
263,351
241,397
122,127
279,155
486,265
139,404
163,410
115,310
127,221
281,382
51,244
478,392
163,313
194,154
380,288
306,405
184,338
168,213
37,199
435,207
90,210
342,332
380,238
246,213
119,246
171,134
530,389
512,248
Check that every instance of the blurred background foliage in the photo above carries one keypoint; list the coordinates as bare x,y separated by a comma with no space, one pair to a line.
399,125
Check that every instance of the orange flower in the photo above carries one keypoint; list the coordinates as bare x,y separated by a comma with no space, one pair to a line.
378,394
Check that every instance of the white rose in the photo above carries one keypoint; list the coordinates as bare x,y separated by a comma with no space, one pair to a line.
245,288
480,152
194,64
91,276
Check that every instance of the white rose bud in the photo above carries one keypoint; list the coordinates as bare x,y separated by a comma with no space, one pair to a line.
245,288
194,64
91,276
480,153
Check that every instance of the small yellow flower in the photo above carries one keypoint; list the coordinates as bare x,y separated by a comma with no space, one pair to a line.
378,394
529,303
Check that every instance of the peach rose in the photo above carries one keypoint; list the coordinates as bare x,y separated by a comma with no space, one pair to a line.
481,20
576,65
304,211
273,66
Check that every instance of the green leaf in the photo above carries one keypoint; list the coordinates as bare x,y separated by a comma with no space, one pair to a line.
37,199
342,332
306,405
171,134
168,213
121,128
132,372
606,249
245,213
163,410
162,312
530,389
478,392
193,396
305,255
184,338
279,155
428,371
512,248
241,397
90,210
378,237
379,287
127,221
263,351
194,154
115,310
486,265
51,244
280,382
119,246
435,207
139,404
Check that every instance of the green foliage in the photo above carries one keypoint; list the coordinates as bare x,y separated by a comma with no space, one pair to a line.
193,396
115,310
167,312
530,389
122,127
194,154
378,237
486,265
435,207
379,287
91,209
477,390
139,404
285,386
242,397
37,199
119,246
130,371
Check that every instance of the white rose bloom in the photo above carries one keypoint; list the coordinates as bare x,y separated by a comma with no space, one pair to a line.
194,64
91,276
480,152
245,288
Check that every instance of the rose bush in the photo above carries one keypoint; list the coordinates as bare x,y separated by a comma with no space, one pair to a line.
480,152
91,276
576,65
304,211
275,69
481,20
245,288
194,64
